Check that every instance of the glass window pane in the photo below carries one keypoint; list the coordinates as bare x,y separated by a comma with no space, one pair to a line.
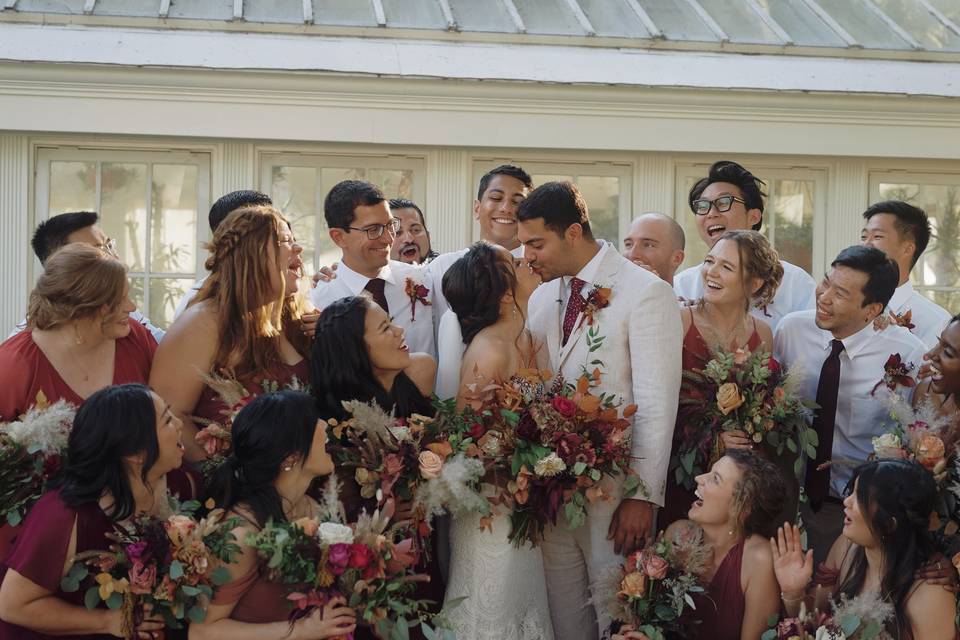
136,292
282,11
343,12
789,223
613,19
602,194
865,27
920,23
123,210
940,265
73,187
677,20
541,178
739,22
548,17
51,6
293,190
482,15
802,25
146,8
201,9
173,224
165,294
394,183
696,249
949,8
418,14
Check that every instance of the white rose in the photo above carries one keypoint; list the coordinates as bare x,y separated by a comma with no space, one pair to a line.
830,633
888,445
335,533
401,433
549,466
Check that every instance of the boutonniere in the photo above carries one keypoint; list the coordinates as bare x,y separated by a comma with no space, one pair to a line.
895,373
417,293
598,299
903,320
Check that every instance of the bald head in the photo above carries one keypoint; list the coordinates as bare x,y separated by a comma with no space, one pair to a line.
656,242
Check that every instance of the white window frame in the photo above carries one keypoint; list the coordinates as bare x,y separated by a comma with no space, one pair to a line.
907,176
620,169
267,160
766,171
44,155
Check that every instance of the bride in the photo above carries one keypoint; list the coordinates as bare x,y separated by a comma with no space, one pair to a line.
506,591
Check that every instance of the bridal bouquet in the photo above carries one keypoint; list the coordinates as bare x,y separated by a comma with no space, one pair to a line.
655,586
559,446
364,562
174,564
741,391
433,464
860,618
31,452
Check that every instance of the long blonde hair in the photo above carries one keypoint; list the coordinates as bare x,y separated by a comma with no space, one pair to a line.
77,282
243,263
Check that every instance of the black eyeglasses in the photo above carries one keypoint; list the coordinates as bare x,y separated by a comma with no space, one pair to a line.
722,204
374,231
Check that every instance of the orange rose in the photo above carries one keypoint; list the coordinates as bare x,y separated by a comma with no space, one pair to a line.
430,465
633,585
930,451
729,397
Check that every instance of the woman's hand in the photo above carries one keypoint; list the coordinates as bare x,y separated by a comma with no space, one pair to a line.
628,632
736,440
793,567
334,620
150,628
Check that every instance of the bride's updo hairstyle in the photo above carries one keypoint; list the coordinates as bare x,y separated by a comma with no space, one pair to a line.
474,286
757,260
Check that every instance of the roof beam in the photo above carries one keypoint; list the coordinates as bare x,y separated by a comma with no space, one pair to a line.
581,17
448,15
164,10
645,18
515,16
830,22
10,4
769,20
896,28
379,13
710,22
947,22
88,6
307,11
238,9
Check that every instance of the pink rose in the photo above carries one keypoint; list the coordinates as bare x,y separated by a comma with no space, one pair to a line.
654,566
142,578
392,464
564,406
179,528
338,558
361,557
430,465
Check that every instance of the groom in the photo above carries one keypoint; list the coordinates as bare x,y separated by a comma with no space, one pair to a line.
639,338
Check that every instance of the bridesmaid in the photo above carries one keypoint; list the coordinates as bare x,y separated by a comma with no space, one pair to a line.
279,448
124,442
244,322
736,505
942,372
741,271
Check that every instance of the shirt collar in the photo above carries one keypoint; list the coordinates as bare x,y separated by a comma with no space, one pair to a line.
854,344
356,282
901,295
589,271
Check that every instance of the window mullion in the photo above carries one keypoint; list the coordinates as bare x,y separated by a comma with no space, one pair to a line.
148,235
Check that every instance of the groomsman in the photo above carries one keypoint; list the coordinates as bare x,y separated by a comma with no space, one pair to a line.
730,198
359,222
637,339
656,243
902,231
842,358
412,244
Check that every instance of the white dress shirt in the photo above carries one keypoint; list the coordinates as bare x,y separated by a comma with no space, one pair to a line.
417,322
929,318
797,292
802,347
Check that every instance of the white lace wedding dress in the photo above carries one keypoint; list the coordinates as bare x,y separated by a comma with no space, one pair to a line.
505,587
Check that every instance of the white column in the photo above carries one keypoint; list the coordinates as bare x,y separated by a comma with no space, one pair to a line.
448,206
237,170
654,188
15,230
846,203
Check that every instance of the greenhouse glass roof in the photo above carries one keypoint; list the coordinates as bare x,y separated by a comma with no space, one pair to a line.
766,26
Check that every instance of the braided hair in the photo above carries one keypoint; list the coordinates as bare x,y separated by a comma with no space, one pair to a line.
757,260
474,286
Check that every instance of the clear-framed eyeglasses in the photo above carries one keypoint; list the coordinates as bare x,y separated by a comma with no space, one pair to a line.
722,204
374,231
109,247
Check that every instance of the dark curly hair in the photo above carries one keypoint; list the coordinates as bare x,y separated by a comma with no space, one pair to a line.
758,497
474,286
750,186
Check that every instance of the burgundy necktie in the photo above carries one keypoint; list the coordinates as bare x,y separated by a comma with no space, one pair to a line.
575,305
375,287
818,482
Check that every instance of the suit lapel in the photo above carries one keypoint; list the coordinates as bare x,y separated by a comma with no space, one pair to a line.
552,335
606,276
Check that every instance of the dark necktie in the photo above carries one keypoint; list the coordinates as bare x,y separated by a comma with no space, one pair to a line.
375,287
575,305
818,482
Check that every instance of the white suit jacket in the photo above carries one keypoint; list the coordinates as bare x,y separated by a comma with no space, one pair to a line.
417,322
640,352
